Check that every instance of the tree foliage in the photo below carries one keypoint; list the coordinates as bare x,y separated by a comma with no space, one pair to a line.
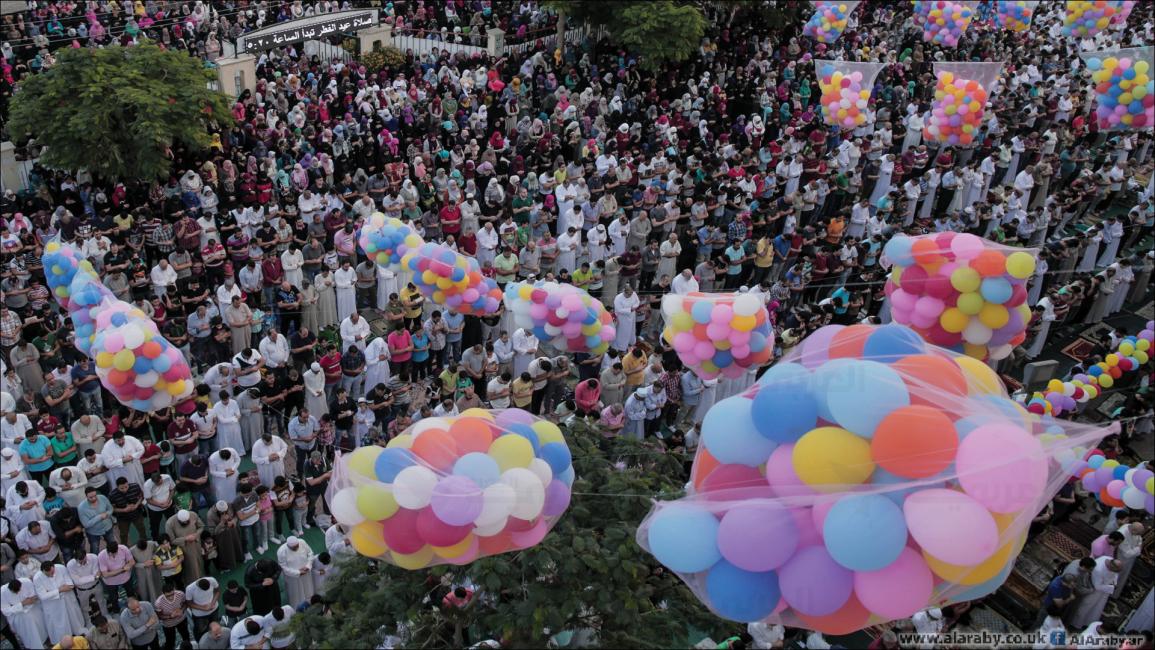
119,111
588,573
660,31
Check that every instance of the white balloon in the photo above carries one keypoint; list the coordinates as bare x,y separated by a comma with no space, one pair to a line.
1001,352
530,493
344,507
146,380
542,470
161,400
490,530
133,337
413,486
427,424
497,503
1133,498
976,333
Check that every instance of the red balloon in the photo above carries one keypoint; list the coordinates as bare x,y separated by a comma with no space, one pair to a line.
400,532
435,532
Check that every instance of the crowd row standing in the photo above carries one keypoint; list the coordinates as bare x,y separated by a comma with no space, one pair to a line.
713,175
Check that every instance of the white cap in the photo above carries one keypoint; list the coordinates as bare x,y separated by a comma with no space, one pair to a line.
293,540
222,505
183,516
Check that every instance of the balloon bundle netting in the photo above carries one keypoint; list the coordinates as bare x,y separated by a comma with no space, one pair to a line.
1124,89
960,291
718,334
1015,15
386,240
452,490
451,279
943,21
864,477
134,362
562,315
961,93
846,88
829,20
1085,18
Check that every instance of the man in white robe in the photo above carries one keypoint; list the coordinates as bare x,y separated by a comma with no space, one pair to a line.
274,348
1089,608
19,604
524,350
345,279
376,366
69,482
354,331
625,309
1129,550
296,560
24,503
11,467
269,457
223,467
58,601
684,282
122,458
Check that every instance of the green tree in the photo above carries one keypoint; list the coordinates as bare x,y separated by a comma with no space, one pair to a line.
660,31
588,573
119,111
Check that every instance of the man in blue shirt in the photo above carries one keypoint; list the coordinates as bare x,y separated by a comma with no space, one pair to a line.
88,386
456,325
1060,592
96,516
36,452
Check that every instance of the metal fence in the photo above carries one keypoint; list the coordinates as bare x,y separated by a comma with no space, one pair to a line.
421,46
548,41
327,51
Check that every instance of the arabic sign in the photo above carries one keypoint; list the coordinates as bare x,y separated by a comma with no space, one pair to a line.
307,30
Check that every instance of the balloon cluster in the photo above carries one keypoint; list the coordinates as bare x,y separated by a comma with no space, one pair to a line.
1086,18
1117,485
451,279
828,21
451,490
718,334
844,100
1124,91
385,240
960,291
141,368
956,114
1015,15
860,480
944,21
562,314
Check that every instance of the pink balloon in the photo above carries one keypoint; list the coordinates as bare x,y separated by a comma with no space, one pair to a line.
704,349
898,590
1002,467
683,342
780,474
951,526
718,331
531,537
722,314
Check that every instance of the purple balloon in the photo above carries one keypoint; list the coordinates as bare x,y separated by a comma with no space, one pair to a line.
1150,504
757,536
1140,477
1091,483
557,496
456,500
813,583
1104,475
513,416
816,347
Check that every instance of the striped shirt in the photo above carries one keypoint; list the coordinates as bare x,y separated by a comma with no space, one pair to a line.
170,608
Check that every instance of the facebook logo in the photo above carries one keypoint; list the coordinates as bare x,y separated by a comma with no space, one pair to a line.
1058,638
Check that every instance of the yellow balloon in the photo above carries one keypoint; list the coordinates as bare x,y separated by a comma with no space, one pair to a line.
123,360
511,451
953,320
52,247
827,458
994,316
418,560
1110,463
104,360
896,275
1106,381
1020,265
970,303
376,502
966,280
477,413
444,283
1142,356
176,388
981,380
743,323
1055,386
457,550
987,569
404,441
368,538
547,432
681,322
363,461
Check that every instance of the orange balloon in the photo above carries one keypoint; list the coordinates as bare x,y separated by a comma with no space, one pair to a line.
926,252
933,381
470,435
989,263
495,544
914,442
704,464
151,349
851,617
849,341
700,332
435,447
1109,500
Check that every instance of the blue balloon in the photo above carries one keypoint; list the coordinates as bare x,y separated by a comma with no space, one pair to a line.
757,341
558,456
142,405
161,363
898,250
883,479
142,365
740,595
864,532
567,476
119,319
478,467
996,290
458,274
701,312
1121,472
527,432
391,461
729,434
892,342
684,538
784,408
859,395
723,358
1096,461
965,425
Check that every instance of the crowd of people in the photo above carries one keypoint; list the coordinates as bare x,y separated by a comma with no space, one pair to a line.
576,165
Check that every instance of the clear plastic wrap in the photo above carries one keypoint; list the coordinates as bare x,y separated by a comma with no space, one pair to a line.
718,333
1123,87
451,490
563,315
452,280
829,19
1015,15
846,87
864,477
386,240
944,21
960,98
1085,18
960,291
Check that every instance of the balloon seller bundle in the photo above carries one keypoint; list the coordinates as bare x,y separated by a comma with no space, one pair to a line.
846,87
961,93
1086,18
141,368
386,240
452,280
944,21
562,315
960,291
1123,87
452,490
829,20
719,333
1015,15
864,477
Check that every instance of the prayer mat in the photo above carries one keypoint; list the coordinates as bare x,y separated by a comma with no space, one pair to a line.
1079,349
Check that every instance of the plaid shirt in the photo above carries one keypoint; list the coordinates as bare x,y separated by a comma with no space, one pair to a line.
673,385
736,231
10,329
